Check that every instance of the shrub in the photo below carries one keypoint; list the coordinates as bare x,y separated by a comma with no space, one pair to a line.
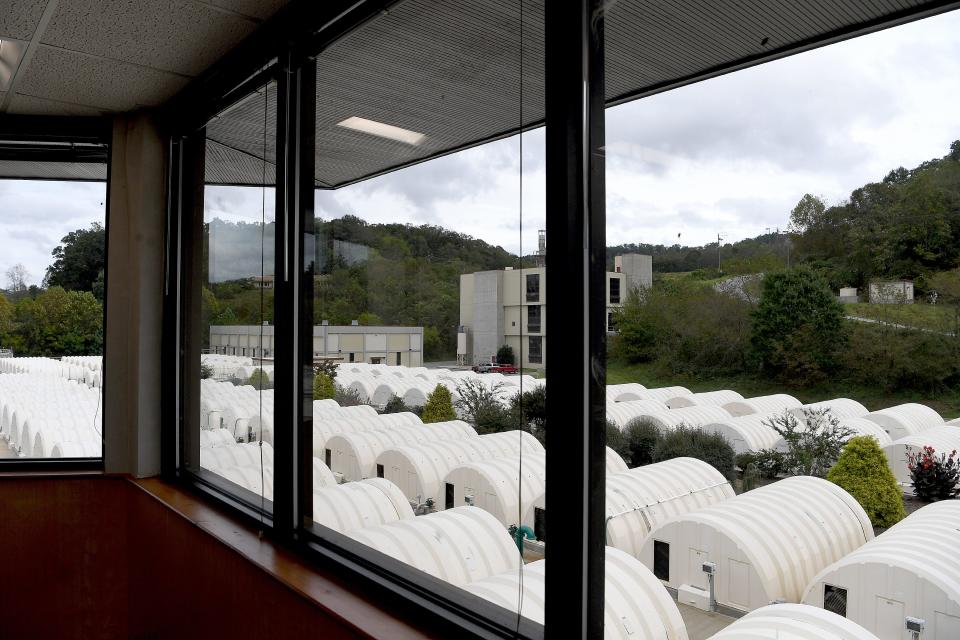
530,409
862,472
505,355
480,405
259,379
933,477
617,441
439,406
323,386
641,438
683,441
206,371
395,405
326,366
769,463
347,397
813,447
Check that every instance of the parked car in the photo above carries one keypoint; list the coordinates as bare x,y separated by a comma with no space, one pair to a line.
503,368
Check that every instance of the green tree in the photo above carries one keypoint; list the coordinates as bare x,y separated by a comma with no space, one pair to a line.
505,355
862,472
798,327
530,410
439,406
642,437
58,323
7,311
323,386
808,214
395,405
814,445
78,260
481,407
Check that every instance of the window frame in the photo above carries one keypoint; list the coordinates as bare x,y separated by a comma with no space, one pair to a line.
58,130
378,575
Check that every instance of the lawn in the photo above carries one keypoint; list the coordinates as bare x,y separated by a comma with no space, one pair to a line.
933,317
948,405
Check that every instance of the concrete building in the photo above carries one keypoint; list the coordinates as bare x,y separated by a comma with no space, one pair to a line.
891,292
375,345
508,307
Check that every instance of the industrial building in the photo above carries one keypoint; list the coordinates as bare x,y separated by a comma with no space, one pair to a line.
374,345
508,307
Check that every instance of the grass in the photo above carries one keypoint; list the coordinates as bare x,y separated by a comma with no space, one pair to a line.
947,405
932,317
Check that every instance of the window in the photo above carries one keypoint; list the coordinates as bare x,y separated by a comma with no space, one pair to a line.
52,297
661,560
535,352
614,290
379,470
399,359
533,318
611,327
835,599
351,357
533,287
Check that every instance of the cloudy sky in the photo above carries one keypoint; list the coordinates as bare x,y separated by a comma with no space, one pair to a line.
731,155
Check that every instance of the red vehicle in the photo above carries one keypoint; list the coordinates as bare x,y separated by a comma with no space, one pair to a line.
503,368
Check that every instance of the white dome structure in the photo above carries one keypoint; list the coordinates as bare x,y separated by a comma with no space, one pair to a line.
746,433
419,469
767,544
624,392
645,497
692,417
662,394
354,455
505,487
955,422
460,546
707,398
906,419
325,427
839,408
636,606
358,505
622,413
943,439
322,476
776,403
912,569
793,622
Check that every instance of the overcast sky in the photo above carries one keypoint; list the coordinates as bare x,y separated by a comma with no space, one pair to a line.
730,155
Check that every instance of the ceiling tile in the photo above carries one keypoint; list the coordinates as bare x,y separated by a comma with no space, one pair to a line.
31,105
180,36
19,18
67,76
259,9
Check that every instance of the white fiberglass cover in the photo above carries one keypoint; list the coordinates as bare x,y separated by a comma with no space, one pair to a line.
691,417
636,605
912,569
776,403
459,545
839,408
358,505
793,622
767,543
706,398
751,432
622,413
906,419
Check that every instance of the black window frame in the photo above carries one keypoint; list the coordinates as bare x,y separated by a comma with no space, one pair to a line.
841,592
532,285
576,201
534,327
88,140
614,279
535,355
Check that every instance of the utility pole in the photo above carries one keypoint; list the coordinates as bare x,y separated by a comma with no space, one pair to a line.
719,241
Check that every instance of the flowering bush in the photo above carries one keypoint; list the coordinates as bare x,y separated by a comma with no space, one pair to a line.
934,477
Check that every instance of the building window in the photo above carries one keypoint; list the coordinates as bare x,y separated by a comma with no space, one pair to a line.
533,287
535,351
399,359
835,599
610,325
661,560
351,357
533,318
614,290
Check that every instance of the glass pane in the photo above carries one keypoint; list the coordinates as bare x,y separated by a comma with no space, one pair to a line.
782,257
429,387
51,317
236,354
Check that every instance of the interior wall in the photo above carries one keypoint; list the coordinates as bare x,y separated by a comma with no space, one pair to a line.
99,557
136,221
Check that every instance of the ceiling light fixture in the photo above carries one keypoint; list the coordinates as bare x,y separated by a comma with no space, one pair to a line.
383,130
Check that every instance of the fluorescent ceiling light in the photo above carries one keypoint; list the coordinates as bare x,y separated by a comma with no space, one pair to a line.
383,130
